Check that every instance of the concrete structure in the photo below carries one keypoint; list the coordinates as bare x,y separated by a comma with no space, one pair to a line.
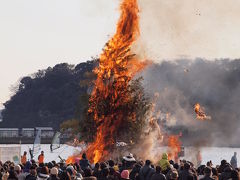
27,135
28,132
9,132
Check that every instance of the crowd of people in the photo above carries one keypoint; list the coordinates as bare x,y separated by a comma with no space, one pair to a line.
129,168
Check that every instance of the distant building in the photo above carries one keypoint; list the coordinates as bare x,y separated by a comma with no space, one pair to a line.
46,132
27,132
9,132
27,135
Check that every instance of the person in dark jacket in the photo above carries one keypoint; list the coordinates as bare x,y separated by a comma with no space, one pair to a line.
112,170
235,175
158,175
146,171
134,174
84,163
32,174
200,170
12,175
104,174
227,173
172,173
207,174
88,175
123,166
186,173
65,176
43,174
223,165
215,174
96,170
78,168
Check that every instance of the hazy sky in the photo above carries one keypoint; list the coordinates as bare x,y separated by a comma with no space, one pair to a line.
190,28
35,34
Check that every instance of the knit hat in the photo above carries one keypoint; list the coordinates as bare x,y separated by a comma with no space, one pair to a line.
17,168
54,171
174,175
116,168
125,174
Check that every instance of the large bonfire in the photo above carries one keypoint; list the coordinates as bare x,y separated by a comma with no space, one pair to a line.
113,104
108,104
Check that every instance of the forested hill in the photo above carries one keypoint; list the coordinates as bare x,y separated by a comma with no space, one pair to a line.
48,97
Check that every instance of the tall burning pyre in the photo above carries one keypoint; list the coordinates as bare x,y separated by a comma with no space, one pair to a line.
111,96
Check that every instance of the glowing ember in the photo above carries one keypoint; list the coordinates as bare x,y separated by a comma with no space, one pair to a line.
110,97
200,113
174,146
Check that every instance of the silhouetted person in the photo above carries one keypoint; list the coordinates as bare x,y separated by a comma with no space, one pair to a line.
233,161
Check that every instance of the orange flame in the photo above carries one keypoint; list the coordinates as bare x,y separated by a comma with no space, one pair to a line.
70,160
200,113
174,145
117,66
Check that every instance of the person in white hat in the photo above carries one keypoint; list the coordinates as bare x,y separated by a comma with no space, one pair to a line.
54,174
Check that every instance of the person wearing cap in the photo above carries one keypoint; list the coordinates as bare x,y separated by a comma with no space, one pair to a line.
146,171
128,161
158,175
54,174
24,158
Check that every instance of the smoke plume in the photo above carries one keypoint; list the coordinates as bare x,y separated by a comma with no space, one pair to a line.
215,85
